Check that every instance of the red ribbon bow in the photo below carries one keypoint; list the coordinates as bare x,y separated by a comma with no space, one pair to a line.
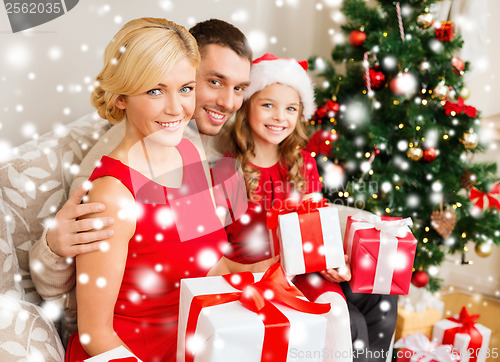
481,196
460,107
466,322
257,297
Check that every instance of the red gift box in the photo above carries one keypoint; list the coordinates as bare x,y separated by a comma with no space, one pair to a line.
381,253
445,31
418,348
471,339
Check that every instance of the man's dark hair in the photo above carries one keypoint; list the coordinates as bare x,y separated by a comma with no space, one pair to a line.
215,31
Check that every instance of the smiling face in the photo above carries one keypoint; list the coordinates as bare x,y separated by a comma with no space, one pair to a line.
273,114
163,110
220,81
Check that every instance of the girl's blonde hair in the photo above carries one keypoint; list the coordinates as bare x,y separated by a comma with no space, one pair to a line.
242,147
138,56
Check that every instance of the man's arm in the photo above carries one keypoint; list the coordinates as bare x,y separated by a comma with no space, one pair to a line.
51,257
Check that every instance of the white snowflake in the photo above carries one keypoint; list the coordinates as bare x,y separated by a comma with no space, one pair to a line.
207,258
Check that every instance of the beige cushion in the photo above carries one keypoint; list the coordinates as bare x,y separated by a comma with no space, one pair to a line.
26,333
36,181
9,283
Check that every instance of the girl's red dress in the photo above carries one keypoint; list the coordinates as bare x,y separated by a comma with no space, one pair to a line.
248,236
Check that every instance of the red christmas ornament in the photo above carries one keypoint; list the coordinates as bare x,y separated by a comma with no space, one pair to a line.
357,38
430,154
458,65
377,78
326,110
420,279
445,31
321,142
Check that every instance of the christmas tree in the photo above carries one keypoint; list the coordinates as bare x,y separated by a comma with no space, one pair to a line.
392,134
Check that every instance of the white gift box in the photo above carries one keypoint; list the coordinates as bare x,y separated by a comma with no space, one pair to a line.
299,256
230,332
462,340
116,353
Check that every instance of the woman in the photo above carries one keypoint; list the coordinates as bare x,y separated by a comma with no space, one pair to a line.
128,292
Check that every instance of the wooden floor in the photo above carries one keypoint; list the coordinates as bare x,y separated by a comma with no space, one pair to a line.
487,307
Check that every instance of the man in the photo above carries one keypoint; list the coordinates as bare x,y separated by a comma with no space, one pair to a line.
221,78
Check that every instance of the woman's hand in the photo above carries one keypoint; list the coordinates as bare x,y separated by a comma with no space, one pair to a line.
338,275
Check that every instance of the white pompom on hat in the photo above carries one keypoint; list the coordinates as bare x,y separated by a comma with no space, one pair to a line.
269,69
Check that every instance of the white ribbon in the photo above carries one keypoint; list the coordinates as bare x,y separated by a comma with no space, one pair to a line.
390,230
425,350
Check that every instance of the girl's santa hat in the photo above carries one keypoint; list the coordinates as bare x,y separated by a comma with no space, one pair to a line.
268,69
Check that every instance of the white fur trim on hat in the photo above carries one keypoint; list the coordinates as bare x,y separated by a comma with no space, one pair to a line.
287,72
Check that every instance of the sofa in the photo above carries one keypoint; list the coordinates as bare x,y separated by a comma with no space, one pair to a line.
34,184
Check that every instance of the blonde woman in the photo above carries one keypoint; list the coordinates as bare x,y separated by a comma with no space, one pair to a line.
128,291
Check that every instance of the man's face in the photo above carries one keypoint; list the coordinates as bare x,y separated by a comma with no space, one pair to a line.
220,81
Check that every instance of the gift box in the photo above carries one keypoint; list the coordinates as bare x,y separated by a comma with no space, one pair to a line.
469,338
417,312
307,237
445,30
249,317
412,322
381,253
418,348
118,354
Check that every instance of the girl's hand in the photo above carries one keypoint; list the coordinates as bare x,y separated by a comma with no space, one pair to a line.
337,275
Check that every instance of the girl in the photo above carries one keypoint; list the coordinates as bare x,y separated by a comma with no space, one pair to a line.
128,292
267,138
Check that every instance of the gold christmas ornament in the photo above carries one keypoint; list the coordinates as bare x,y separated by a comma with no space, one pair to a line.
442,91
464,93
484,249
414,153
470,140
425,20
444,222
